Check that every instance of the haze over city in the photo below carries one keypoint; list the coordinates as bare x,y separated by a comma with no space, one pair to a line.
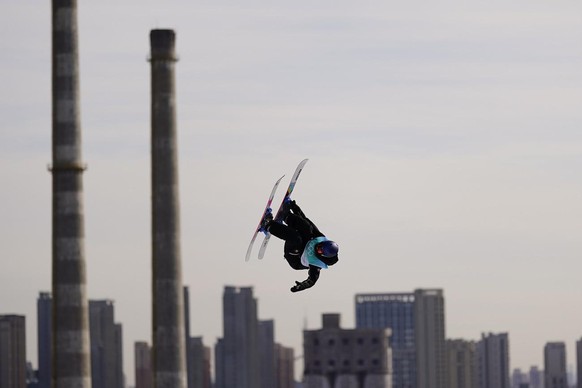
444,144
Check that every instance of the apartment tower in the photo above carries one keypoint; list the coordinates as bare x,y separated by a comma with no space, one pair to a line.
237,352
461,364
555,365
429,326
536,377
417,321
199,373
144,376
44,305
285,367
12,351
106,345
394,311
493,361
267,368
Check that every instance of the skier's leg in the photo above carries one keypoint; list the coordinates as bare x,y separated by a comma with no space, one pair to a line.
293,241
300,224
284,232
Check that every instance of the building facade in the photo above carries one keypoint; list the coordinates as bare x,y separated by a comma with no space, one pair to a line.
519,378
189,355
144,375
266,337
197,355
336,357
106,346
579,362
284,367
199,370
493,361
12,351
44,339
429,327
461,364
417,321
394,311
236,353
556,375
536,377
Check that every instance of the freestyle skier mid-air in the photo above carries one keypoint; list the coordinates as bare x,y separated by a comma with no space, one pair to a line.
305,246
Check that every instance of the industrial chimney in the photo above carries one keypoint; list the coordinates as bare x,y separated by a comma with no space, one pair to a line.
71,352
168,304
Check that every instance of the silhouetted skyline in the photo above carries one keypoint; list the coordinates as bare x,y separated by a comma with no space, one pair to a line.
363,303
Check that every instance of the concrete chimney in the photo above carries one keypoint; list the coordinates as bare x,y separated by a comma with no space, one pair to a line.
168,304
71,353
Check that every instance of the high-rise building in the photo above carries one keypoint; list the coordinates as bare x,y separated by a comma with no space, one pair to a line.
106,346
429,327
31,376
417,321
555,365
12,351
237,352
284,366
197,355
394,311
348,358
518,378
144,376
119,375
493,361
267,353
536,377
579,363
461,364
189,356
44,338
199,369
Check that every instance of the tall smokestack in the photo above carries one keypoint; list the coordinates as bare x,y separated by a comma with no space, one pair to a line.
168,303
71,357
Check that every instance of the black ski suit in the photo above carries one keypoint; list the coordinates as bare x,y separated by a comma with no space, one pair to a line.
297,231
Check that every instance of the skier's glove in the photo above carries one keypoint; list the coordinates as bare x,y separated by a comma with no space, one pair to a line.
297,287
300,286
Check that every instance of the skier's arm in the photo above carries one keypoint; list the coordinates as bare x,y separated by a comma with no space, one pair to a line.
309,282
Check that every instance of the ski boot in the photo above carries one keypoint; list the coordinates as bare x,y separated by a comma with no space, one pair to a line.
285,207
267,218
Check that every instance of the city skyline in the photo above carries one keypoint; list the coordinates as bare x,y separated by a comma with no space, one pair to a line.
444,149
128,371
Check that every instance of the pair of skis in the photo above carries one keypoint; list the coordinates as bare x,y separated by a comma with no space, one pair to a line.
279,215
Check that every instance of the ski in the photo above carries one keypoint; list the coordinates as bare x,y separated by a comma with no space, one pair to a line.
280,213
267,209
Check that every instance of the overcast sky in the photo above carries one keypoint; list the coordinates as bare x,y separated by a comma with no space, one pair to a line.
445,151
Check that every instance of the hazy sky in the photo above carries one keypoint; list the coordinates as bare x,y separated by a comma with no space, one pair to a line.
444,142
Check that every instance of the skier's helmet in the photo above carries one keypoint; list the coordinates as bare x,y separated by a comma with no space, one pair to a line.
327,251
